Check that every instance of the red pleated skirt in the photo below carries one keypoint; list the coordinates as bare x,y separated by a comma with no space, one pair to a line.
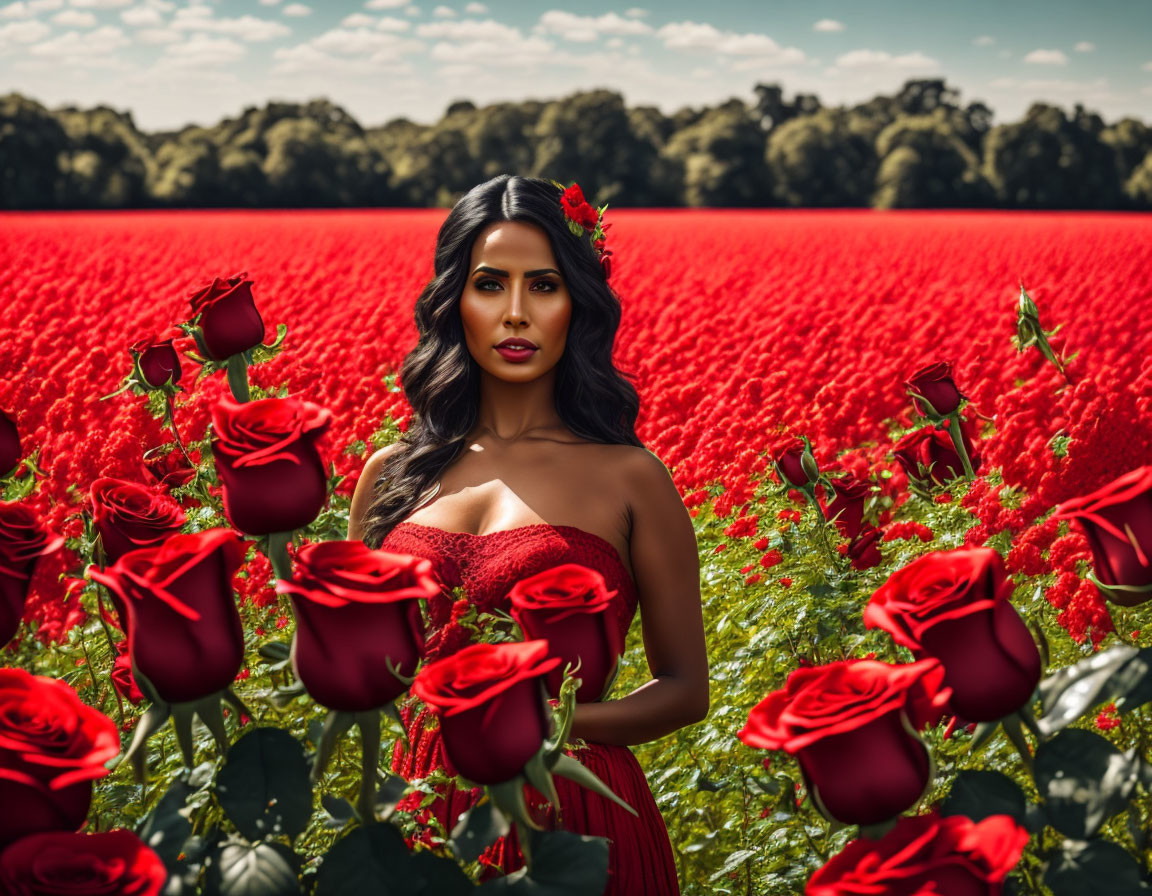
640,858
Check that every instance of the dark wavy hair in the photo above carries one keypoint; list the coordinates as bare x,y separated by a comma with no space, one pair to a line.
441,379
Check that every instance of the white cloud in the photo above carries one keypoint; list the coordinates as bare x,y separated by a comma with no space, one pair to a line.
306,59
412,10
828,25
521,52
200,50
385,4
1046,57
471,30
76,44
23,32
249,28
158,36
635,12
475,9
1058,89
297,9
74,18
139,16
702,36
984,40
1004,54
1147,91
364,40
588,28
444,12
1084,46
390,23
358,20
1147,66
21,9
269,2
878,60
100,4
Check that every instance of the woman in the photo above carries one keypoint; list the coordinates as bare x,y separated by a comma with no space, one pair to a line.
536,462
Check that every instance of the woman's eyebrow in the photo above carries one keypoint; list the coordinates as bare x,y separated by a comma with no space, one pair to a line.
500,273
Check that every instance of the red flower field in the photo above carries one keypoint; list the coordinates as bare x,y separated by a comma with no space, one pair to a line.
740,327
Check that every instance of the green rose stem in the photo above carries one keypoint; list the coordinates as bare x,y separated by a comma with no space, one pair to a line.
102,562
1015,731
170,419
275,545
238,377
958,444
809,491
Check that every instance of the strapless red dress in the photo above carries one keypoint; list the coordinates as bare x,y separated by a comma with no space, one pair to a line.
640,858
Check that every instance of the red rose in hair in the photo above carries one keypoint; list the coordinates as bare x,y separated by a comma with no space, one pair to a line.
924,854
158,361
229,320
23,541
932,448
356,609
52,745
114,862
935,383
850,726
492,705
570,607
268,462
184,632
575,206
10,450
954,606
1117,521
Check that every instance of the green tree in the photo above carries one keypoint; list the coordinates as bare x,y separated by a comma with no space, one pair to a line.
821,160
722,155
31,141
924,164
107,164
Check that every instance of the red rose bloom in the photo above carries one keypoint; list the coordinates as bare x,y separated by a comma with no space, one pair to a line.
935,383
184,633
122,678
790,461
932,449
954,606
23,541
492,705
357,609
924,854
229,320
130,516
864,549
159,362
52,745
570,607
1117,521
268,462
169,469
846,509
10,450
114,862
848,724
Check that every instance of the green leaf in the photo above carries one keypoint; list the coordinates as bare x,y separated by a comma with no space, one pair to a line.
978,794
563,864
259,869
1084,781
164,830
734,861
1096,868
264,786
477,829
1070,692
443,876
371,859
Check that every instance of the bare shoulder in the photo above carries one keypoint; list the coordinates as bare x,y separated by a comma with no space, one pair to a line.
365,487
645,480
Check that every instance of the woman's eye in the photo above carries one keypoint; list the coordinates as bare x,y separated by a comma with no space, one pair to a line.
482,285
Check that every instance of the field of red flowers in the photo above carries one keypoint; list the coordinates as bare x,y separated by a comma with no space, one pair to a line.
740,327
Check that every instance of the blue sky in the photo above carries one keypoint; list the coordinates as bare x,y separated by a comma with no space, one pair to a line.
175,62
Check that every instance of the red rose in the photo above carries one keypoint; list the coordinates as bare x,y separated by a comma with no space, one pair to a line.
52,745
846,509
229,320
492,706
184,633
269,465
1117,521
130,516
570,606
169,469
955,606
864,549
795,464
935,383
850,726
122,678
606,265
10,450
23,541
356,609
57,864
159,362
932,449
924,854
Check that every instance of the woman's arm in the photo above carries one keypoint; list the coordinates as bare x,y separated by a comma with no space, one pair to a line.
362,496
666,566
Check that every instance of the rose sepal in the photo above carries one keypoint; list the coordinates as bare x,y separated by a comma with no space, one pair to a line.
1121,595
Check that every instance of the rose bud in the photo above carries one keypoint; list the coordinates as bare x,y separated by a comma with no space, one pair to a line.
10,450
158,361
23,541
932,449
357,610
52,746
935,386
184,632
846,509
930,853
864,549
1116,519
122,678
955,606
795,464
229,320
492,706
82,865
852,727
268,462
571,608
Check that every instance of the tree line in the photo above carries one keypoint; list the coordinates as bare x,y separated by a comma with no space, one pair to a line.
918,149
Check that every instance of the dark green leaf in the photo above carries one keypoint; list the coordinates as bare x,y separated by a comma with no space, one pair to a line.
1070,692
978,794
477,829
444,877
371,859
1096,868
164,830
1084,781
564,864
260,869
264,786
1138,689
339,810
392,789
274,651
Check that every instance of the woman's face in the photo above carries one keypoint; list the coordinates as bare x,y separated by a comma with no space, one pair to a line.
514,289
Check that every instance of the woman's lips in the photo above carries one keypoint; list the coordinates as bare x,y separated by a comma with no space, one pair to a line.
517,353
